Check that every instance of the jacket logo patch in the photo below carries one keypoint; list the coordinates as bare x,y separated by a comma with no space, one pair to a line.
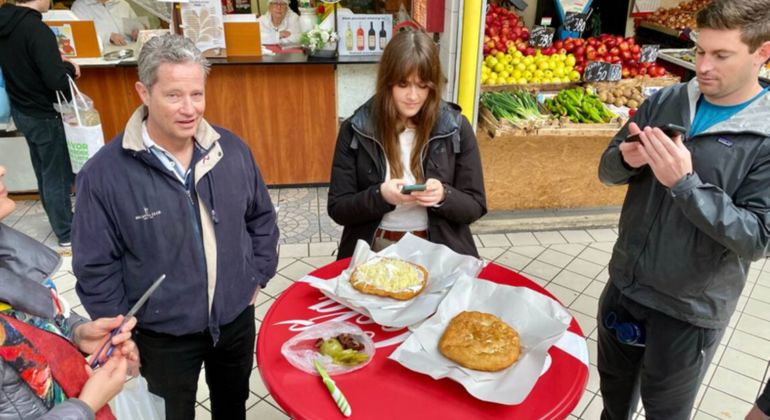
148,215
725,142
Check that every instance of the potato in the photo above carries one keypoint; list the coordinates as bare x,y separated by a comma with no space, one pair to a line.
628,93
633,104
618,92
603,97
618,103
610,99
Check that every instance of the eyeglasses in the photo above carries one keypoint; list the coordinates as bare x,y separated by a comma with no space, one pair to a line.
280,5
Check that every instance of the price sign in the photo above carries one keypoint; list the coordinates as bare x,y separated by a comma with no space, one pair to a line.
649,53
575,22
597,71
541,36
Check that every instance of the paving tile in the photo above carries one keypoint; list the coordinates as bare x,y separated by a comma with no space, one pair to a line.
72,298
564,295
603,246
593,351
750,344
542,270
65,282
763,278
700,415
743,363
595,256
262,297
594,410
586,304
531,251
277,285
323,249
603,235
707,378
319,262
581,406
576,236
735,384
723,406
573,281
293,251
201,413
262,309
555,258
758,309
297,270
513,260
522,238
477,241
272,402
604,276
491,254
753,325
256,385
495,240
585,268
595,289
761,293
202,394
569,249
550,238
587,323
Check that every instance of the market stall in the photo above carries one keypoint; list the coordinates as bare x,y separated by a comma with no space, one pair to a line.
549,107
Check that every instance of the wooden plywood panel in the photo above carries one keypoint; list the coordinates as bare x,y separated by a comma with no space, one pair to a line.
545,172
286,114
106,86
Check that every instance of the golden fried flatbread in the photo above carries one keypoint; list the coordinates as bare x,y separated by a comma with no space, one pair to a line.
480,341
390,277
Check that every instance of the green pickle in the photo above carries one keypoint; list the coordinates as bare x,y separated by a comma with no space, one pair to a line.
333,348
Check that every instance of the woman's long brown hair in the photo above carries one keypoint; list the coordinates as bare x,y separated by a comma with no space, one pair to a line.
407,54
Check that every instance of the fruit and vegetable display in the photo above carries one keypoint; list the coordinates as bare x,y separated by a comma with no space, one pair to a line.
678,17
518,107
344,350
610,49
516,68
579,106
503,30
630,97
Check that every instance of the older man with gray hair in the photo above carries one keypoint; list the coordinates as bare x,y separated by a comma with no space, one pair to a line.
178,196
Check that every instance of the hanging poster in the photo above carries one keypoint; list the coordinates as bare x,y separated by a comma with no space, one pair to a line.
364,34
202,23
65,40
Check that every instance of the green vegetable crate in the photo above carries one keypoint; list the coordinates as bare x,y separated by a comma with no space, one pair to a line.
497,126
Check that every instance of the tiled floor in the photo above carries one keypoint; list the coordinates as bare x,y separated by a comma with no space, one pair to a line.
572,265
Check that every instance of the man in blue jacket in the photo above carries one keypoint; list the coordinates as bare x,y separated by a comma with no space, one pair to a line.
175,195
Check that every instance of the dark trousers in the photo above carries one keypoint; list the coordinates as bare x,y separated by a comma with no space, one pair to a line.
51,161
666,372
172,366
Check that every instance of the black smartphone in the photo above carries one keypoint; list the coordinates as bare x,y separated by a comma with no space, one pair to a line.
671,130
408,189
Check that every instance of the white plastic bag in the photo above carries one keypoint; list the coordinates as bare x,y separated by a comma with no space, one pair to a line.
84,130
135,402
300,351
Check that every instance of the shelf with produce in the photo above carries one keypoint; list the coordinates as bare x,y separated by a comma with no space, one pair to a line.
685,58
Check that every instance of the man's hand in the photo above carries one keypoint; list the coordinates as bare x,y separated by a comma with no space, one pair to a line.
632,151
756,414
104,384
135,34
74,64
284,34
392,194
117,39
669,159
434,193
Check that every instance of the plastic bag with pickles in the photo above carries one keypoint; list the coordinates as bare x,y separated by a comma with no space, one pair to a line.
89,116
340,347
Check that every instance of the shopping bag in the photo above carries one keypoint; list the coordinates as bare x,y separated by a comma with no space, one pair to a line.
5,102
82,126
135,402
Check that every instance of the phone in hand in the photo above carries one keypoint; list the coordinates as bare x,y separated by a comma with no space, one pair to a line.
671,130
408,189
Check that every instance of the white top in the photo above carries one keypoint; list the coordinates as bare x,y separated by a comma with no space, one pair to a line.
167,159
107,17
412,216
269,34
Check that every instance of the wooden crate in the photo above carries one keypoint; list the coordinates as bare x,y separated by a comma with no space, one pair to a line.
541,87
496,128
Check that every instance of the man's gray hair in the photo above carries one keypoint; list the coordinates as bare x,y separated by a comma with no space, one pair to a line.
168,49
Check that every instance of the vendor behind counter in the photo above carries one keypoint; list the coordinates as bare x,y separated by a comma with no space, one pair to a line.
279,25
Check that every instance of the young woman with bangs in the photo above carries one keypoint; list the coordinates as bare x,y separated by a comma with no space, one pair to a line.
407,135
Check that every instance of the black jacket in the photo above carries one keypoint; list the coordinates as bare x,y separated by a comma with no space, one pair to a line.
686,251
31,63
358,171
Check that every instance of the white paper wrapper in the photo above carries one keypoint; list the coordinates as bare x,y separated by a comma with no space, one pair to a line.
444,267
539,320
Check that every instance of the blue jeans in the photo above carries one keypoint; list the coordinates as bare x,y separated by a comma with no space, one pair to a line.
51,161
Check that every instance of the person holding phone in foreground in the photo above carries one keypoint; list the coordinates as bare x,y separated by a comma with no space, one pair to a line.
696,214
407,161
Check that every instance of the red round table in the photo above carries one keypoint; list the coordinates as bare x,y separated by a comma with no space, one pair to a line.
386,390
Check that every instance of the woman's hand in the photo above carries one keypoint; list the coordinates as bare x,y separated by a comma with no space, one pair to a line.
392,193
434,193
89,335
104,384
117,39
284,34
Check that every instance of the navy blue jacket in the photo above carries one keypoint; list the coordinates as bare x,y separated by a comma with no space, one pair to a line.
216,239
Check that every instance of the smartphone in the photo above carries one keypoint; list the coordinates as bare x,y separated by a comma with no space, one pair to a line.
671,130
408,189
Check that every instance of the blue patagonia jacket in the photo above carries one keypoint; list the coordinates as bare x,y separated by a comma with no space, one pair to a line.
215,240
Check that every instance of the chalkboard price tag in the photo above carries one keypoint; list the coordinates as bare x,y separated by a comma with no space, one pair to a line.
575,22
649,53
597,71
541,36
